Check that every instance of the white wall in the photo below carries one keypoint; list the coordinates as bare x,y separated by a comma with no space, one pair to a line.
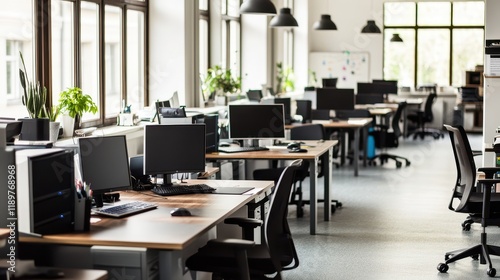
172,50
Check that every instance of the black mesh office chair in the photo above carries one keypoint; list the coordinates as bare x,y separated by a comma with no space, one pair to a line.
420,118
244,259
389,139
304,132
477,201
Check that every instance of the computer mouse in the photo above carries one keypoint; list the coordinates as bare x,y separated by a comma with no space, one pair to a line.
180,212
293,146
299,150
224,144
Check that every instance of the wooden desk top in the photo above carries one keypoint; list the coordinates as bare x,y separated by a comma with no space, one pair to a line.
314,150
157,229
351,123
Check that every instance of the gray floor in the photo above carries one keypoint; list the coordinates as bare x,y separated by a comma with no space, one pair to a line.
394,223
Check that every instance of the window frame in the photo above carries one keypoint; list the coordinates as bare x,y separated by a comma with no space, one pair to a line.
43,50
416,27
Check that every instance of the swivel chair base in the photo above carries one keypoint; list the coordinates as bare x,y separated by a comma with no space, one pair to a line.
384,158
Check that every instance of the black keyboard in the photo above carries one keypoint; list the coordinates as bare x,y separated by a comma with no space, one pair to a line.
181,189
126,209
241,149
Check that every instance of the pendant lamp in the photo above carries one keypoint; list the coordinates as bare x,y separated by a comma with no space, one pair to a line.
284,19
396,38
325,23
260,7
370,27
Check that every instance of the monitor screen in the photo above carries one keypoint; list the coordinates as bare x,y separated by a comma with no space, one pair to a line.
287,106
335,99
104,164
329,82
174,148
256,121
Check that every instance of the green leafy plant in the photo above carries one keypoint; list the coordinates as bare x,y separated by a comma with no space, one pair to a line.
220,81
34,95
74,102
285,79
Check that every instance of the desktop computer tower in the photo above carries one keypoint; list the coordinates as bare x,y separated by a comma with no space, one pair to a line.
212,132
126,262
45,190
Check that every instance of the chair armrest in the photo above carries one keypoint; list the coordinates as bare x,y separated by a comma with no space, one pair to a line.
232,243
244,222
247,225
489,171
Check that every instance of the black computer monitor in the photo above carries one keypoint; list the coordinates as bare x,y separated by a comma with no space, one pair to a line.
329,82
254,95
104,165
174,148
377,87
304,109
335,99
211,122
369,98
287,106
256,121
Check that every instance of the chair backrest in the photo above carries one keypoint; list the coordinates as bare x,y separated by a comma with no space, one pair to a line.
396,118
466,167
277,235
428,115
329,82
308,132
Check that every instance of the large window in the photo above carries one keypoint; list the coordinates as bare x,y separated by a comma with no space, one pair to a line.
441,40
16,35
231,38
204,41
97,45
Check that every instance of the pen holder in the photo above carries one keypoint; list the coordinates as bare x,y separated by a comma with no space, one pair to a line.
82,213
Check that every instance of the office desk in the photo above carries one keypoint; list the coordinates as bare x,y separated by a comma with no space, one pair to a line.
355,124
314,152
157,229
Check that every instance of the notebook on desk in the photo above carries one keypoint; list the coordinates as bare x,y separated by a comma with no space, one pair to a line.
232,190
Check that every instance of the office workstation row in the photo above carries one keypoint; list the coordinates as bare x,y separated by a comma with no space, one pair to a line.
104,166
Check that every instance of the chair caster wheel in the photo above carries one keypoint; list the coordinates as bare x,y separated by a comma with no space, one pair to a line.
398,164
442,267
333,209
491,272
466,226
339,204
446,257
475,257
408,163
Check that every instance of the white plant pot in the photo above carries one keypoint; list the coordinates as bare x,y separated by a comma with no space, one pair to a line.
54,131
221,100
68,124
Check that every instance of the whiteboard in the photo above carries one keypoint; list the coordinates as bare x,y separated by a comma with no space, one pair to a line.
349,67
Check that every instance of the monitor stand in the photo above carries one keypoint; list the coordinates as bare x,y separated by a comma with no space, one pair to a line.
252,143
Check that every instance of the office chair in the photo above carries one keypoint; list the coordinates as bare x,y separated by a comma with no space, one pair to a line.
389,139
304,132
245,259
420,118
481,205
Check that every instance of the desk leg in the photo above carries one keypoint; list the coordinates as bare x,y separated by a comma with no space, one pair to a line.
356,151
170,265
365,141
327,184
313,196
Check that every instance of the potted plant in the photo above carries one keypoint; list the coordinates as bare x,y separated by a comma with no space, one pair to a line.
284,78
54,125
312,81
73,103
36,127
221,82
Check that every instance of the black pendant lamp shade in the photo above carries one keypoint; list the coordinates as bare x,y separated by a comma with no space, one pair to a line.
325,23
284,19
396,38
261,7
370,27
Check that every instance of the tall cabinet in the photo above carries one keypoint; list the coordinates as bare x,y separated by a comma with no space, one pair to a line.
491,113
